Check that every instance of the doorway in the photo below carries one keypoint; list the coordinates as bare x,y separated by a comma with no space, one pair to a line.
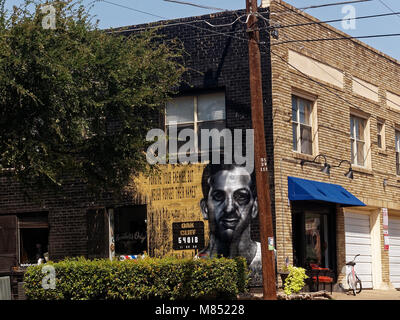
314,234
130,229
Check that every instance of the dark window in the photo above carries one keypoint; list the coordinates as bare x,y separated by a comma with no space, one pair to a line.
33,237
130,229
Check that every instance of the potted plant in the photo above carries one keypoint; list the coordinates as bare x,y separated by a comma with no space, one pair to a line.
284,272
294,281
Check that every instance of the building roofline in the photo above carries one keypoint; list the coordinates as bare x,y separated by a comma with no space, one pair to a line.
337,31
161,23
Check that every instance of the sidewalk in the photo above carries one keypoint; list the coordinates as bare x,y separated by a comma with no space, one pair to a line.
364,295
369,295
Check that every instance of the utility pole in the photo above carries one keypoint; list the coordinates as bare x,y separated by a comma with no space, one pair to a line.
260,156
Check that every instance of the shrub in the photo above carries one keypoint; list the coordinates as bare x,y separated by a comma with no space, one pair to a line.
295,280
150,278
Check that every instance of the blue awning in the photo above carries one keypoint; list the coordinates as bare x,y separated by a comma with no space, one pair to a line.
302,189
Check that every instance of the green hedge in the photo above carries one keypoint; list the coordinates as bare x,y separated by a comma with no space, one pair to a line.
149,278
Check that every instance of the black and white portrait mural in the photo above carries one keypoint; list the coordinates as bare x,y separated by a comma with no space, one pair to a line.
230,206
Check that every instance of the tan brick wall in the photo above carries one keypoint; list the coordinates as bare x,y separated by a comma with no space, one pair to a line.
333,113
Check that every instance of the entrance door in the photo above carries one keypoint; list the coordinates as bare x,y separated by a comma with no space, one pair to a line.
130,229
394,251
358,241
316,233
314,236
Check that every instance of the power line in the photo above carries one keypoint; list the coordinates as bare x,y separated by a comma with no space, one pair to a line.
328,27
325,5
381,1
266,52
340,38
136,10
333,4
336,20
354,79
196,5
189,23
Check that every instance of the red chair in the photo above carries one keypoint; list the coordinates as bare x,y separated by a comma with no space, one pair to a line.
320,275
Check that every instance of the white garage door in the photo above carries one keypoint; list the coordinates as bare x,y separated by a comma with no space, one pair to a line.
358,241
394,251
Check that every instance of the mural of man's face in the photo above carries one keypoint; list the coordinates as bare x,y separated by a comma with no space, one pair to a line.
230,204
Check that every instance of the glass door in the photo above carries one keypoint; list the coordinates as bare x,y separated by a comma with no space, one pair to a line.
316,239
314,235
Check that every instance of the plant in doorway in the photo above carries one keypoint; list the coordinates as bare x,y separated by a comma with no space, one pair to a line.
294,281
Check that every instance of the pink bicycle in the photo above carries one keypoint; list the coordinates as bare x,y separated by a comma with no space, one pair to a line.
353,280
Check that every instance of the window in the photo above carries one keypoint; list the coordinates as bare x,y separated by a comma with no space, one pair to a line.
130,229
397,135
380,135
33,237
357,140
301,125
205,111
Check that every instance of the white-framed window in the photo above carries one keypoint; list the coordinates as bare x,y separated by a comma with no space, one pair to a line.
302,125
358,140
196,112
397,141
380,127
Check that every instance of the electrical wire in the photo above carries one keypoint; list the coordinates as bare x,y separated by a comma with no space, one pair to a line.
190,23
196,5
323,5
354,79
333,4
266,52
381,1
328,27
129,8
340,38
335,20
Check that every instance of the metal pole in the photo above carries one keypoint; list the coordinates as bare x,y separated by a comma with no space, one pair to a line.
260,155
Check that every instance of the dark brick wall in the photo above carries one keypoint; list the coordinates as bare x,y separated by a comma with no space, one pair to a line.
66,212
216,59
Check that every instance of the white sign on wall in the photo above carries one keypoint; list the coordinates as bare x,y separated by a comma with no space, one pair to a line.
385,218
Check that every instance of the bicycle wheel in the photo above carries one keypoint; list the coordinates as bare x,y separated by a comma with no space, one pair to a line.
358,285
351,283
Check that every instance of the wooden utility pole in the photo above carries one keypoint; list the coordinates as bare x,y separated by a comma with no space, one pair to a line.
260,155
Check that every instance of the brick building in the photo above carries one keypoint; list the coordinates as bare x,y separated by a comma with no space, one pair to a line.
349,93
333,102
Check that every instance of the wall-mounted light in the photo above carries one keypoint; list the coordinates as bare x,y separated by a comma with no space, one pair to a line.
386,184
327,167
349,174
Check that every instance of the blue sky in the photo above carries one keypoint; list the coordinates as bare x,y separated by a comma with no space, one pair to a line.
114,16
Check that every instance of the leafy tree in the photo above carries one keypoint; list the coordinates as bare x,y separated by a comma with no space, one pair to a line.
77,101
